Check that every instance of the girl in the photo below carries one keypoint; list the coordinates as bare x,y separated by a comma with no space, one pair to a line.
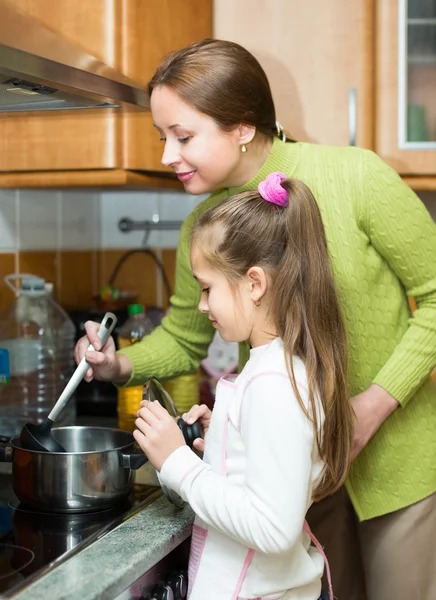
212,106
281,432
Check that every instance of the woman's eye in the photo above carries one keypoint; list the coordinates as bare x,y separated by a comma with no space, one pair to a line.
162,139
184,140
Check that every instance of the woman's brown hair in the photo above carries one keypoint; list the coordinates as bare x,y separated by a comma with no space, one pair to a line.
224,81
290,244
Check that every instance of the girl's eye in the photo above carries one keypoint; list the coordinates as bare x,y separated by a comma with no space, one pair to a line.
206,290
184,140
162,139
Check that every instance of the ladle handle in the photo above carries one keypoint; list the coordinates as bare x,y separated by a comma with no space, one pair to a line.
106,327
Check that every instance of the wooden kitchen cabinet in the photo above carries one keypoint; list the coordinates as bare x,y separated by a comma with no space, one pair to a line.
320,57
406,85
315,54
100,145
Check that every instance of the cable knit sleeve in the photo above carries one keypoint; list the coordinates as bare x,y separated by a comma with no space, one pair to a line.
179,344
403,232
267,512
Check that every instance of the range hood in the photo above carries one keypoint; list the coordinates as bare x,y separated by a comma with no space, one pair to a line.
41,71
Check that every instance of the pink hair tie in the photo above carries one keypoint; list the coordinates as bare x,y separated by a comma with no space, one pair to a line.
271,189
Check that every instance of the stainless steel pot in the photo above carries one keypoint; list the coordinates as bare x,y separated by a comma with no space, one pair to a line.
95,472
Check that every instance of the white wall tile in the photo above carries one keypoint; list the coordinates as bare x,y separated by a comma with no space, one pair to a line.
139,206
143,206
38,215
175,207
79,220
8,221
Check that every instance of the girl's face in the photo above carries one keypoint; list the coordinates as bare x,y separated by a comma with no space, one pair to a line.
230,310
204,157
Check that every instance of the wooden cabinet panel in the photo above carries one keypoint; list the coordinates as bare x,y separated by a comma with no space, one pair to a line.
407,162
89,24
313,52
153,28
171,25
61,140
129,35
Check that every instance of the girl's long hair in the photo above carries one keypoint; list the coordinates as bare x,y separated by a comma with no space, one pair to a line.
290,244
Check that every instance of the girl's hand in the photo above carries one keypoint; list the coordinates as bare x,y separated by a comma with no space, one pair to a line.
372,407
107,365
157,433
199,413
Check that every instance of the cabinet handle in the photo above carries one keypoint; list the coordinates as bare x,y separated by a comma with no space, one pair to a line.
352,116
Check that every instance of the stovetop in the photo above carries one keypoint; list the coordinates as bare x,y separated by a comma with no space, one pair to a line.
32,542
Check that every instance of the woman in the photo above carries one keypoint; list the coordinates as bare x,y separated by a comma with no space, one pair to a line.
212,105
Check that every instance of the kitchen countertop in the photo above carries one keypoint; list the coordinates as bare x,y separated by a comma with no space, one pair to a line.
108,566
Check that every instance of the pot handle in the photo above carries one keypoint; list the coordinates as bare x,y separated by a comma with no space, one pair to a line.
132,461
6,454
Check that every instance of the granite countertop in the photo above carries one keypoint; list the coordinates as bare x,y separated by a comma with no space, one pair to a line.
105,568
108,566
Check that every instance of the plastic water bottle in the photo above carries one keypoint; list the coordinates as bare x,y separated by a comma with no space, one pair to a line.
132,331
36,355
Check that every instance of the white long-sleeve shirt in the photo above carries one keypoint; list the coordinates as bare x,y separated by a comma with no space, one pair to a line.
251,491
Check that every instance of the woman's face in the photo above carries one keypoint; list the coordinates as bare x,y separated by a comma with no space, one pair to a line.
204,157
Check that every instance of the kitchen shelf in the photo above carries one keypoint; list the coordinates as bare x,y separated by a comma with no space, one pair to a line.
92,178
116,178
421,22
421,60
421,184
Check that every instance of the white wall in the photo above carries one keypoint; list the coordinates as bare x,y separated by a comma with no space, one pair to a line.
86,219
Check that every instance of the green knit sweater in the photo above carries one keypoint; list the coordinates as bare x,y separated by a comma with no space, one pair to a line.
382,245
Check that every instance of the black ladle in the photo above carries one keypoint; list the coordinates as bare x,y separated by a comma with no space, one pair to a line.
40,437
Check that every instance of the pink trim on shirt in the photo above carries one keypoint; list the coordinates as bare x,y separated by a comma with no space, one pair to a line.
320,549
229,379
224,447
259,598
188,472
198,541
243,573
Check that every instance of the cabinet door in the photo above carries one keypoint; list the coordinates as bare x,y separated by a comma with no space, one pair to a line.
318,58
406,85
152,29
129,35
65,140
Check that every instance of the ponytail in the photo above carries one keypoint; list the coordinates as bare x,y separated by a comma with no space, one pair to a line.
283,233
309,321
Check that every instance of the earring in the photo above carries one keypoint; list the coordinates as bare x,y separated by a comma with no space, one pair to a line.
256,302
243,148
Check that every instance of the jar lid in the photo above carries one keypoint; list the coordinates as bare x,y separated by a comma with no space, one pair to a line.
135,309
33,284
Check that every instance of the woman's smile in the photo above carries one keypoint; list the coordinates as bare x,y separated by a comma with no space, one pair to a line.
183,177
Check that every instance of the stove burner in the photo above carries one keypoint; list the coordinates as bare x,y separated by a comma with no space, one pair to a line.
14,559
15,504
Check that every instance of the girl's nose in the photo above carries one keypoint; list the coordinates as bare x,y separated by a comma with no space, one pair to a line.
202,305
170,156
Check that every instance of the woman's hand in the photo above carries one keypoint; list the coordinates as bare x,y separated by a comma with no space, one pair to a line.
199,412
372,407
157,433
107,365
